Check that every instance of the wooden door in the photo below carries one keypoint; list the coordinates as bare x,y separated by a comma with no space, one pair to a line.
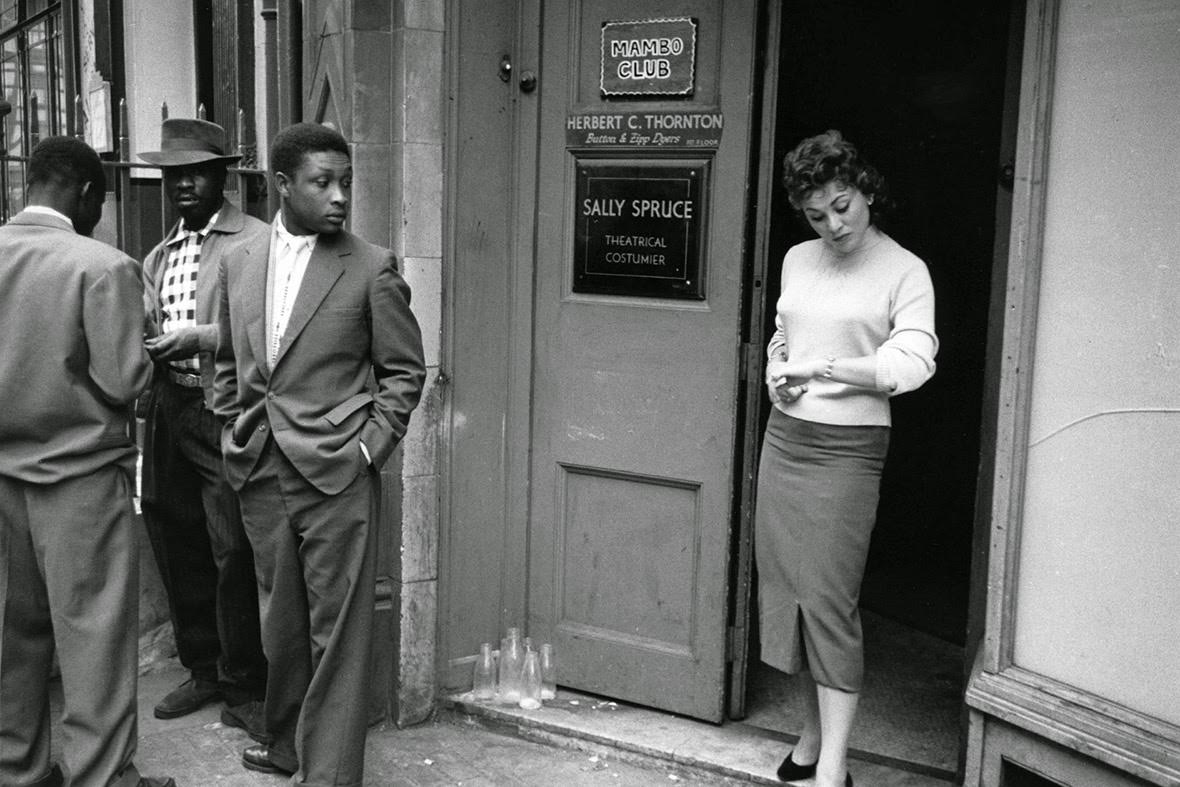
636,370
490,187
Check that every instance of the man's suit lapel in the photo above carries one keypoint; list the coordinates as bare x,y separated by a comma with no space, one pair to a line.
254,285
323,269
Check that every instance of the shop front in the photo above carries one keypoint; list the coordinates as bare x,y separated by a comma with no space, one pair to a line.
613,232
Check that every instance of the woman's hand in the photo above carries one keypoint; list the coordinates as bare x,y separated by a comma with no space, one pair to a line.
785,394
786,380
794,373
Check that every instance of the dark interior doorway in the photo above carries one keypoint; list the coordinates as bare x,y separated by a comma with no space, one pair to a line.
918,86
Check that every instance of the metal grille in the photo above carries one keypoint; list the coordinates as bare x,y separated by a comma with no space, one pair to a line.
142,213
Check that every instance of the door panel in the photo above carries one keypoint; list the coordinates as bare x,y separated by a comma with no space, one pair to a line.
482,575
623,575
634,398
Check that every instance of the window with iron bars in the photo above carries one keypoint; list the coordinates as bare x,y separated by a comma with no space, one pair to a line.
32,71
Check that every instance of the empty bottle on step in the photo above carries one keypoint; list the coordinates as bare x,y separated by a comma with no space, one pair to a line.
484,683
548,672
511,662
530,681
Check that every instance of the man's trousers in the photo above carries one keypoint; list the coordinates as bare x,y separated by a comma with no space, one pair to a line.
316,560
69,576
195,527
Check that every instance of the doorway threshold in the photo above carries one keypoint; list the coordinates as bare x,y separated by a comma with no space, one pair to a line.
636,734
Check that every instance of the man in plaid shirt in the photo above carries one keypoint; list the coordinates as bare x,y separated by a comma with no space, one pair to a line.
192,515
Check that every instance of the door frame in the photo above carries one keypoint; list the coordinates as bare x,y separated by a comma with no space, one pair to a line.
753,340
762,158
515,293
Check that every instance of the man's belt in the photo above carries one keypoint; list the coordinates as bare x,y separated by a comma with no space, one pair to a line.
186,379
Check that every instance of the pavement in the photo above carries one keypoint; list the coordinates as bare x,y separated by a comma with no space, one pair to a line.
573,740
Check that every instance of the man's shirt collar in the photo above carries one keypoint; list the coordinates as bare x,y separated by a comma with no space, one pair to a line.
295,242
182,234
45,210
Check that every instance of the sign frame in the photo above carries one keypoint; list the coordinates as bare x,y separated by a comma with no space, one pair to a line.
693,128
649,60
635,234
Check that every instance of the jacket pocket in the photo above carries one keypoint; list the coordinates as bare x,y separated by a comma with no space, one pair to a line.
238,433
337,414
341,313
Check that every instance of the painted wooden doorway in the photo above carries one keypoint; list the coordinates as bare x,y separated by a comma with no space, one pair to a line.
926,90
634,394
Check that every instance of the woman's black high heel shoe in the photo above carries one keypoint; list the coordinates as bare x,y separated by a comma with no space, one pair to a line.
791,771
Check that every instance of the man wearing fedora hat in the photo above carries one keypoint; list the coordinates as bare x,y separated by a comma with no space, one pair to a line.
191,513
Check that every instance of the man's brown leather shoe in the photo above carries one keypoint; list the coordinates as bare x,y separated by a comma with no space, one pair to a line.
257,758
189,696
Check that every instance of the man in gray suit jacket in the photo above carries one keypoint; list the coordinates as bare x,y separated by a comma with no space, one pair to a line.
71,314
318,368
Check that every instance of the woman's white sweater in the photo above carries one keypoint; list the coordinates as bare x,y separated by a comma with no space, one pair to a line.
880,302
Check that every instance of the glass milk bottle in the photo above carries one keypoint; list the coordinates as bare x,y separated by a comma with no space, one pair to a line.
511,661
548,672
484,683
530,681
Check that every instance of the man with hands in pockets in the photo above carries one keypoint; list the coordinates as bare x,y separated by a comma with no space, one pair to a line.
309,316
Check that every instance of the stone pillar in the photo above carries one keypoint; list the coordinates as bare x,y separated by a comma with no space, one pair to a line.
417,93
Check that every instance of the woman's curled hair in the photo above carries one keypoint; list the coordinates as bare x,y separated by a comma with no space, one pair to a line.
827,157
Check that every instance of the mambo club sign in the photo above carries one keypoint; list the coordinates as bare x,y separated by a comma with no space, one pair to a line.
638,230
649,57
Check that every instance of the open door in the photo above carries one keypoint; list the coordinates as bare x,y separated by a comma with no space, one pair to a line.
637,355
920,88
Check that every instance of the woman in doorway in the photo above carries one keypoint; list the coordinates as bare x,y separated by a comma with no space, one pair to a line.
855,326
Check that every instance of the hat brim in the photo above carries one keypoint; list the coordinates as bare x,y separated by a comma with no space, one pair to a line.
182,158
